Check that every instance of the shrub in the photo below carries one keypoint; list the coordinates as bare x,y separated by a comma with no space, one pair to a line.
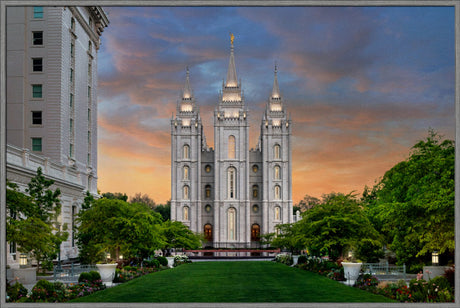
163,261
367,281
43,291
181,259
15,292
152,263
59,291
302,259
85,276
284,258
450,276
441,283
95,276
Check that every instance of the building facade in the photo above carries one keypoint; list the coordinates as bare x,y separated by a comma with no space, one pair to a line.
232,194
51,102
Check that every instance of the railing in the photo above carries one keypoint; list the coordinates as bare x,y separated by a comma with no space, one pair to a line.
384,269
71,273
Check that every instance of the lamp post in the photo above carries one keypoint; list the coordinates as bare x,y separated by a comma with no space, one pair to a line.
435,258
22,260
59,251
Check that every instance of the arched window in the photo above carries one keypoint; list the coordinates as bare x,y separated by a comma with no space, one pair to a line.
255,191
231,146
277,213
207,191
277,172
255,233
231,224
185,214
208,232
186,193
186,151
186,169
276,151
277,192
231,180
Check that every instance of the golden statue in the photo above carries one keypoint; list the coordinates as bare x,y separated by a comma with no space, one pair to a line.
232,37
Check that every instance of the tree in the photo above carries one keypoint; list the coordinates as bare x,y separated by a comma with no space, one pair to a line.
32,218
143,199
337,225
307,203
289,237
117,196
164,210
178,235
414,203
118,227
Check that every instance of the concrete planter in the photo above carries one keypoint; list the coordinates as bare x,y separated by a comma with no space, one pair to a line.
429,272
107,272
295,259
170,262
26,275
351,271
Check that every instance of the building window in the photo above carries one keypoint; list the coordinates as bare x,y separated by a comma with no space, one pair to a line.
72,50
37,38
255,208
186,152
276,150
277,192
71,75
36,117
185,216
89,115
71,150
37,64
207,168
231,224
37,144
255,233
207,191
89,92
88,159
255,168
208,232
74,216
185,171
186,193
277,172
231,147
207,208
71,101
89,137
71,125
13,250
90,70
38,11
231,179
72,24
37,91
255,191
277,213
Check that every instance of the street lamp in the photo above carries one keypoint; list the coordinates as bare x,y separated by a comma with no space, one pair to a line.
23,260
435,258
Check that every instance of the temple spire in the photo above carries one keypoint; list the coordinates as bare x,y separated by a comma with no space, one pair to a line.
276,89
232,80
187,89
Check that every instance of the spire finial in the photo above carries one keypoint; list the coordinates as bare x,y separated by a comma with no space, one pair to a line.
232,37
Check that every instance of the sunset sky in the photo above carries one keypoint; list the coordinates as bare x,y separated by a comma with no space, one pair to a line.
362,84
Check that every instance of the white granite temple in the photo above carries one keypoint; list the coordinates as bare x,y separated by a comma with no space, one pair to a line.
232,194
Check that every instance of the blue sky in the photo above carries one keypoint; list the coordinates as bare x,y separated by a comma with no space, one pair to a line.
362,84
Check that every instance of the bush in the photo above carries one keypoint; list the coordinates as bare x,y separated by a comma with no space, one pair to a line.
163,261
43,291
15,292
450,276
85,276
95,276
181,259
302,259
284,258
367,282
152,263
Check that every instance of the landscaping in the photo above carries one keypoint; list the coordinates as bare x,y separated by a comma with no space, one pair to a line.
236,282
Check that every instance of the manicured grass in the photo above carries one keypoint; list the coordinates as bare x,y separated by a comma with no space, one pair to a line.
245,281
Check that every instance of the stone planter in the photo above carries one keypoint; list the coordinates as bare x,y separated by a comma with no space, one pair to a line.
351,271
429,272
170,262
295,259
107,272
26,275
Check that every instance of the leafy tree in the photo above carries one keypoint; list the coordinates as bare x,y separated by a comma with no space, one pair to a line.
337,224
164,210
118,227
116,196
32,218
88,201
414,203
143,199
178,235
289,237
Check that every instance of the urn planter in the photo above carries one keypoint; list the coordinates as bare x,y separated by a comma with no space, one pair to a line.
295,259
170,262
107,272
351,271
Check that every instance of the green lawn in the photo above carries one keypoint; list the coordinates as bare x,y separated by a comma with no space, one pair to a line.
245,281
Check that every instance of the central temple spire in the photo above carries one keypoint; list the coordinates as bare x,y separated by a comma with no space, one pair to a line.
232,80
276,89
